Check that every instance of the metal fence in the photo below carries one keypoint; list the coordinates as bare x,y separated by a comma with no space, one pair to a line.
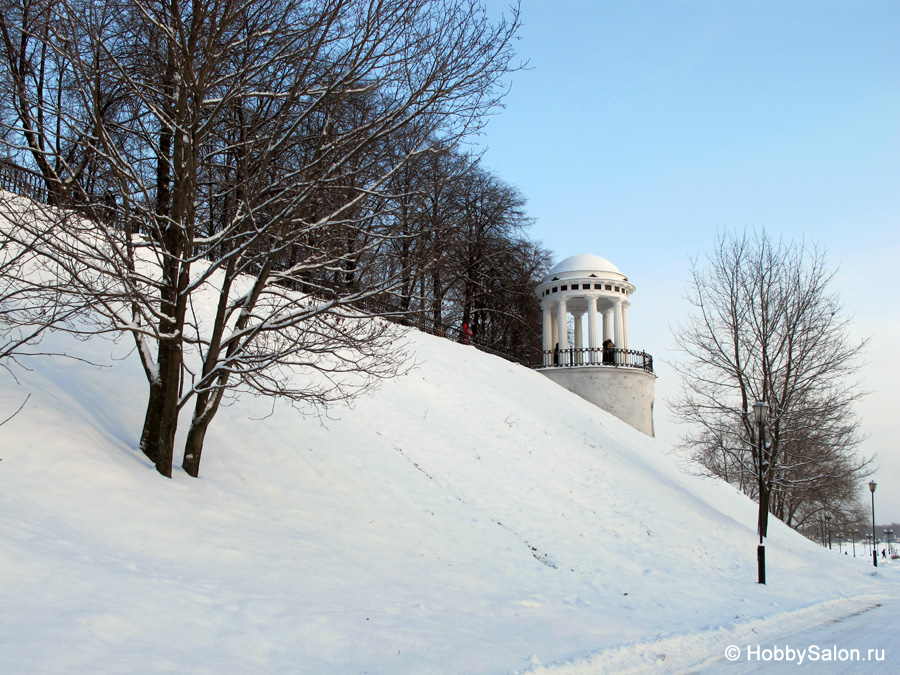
14,178
617,358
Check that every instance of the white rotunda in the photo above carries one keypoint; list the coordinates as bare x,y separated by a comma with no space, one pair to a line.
601,368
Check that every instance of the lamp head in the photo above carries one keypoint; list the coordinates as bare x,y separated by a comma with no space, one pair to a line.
872,485
760,408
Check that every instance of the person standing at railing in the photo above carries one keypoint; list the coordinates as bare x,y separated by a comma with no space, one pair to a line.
608,349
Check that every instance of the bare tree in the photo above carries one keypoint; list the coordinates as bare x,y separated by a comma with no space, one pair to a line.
506,304
250,162
479,264
767,328
466,257
44,124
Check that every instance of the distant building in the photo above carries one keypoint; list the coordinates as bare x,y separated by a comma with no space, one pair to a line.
598,365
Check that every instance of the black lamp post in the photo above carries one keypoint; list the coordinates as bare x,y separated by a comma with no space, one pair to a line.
760,408
854,543
828,529
872,485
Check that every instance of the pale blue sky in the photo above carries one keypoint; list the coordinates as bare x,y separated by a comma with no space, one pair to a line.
643,126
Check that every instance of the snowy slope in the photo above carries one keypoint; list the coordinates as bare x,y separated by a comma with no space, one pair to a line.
469,517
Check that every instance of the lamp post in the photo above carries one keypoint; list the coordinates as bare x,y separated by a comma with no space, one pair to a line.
855,534
760,408
828,529
872,485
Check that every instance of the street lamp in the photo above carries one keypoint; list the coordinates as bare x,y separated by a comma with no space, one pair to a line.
855,535
872,485
828,529
760,408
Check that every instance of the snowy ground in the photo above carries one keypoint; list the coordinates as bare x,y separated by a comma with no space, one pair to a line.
469,517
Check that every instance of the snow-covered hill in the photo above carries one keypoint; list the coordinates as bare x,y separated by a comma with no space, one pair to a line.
469,517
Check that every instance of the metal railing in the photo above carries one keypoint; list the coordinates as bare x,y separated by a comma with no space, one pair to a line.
18,180
616,358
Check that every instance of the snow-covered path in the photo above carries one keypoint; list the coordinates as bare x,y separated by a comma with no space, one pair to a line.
821,637
867,641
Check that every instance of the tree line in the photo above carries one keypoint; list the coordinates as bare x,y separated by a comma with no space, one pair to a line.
297,165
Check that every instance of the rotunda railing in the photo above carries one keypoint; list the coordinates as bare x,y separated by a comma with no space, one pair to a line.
620,358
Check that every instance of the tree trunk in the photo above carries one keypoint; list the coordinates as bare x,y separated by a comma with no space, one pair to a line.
162,390
193,448
152,419
208,400
161,417
203,416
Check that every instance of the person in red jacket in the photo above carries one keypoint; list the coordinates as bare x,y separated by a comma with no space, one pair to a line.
465,335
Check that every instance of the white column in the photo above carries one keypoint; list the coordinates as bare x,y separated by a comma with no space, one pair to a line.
579,330
563,329
617,322
592,329
548,333
607,324
579,337
625,306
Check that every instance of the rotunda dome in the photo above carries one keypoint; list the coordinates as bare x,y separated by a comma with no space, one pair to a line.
584,263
